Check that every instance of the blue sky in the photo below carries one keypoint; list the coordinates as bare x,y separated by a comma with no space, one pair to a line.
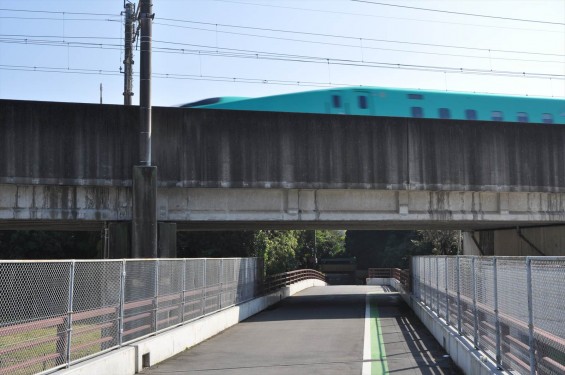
207,48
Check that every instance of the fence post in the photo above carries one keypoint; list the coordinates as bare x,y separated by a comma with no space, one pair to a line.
446,270
205,286
221,281
156,298
458,296
183,289
437,287
496,317
122,303
70,312
530,316
475,317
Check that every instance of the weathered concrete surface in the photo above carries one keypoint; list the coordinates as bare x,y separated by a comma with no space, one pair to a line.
196,208
85,144
72,163
549,240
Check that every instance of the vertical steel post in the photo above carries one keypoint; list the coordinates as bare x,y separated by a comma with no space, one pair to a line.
70,312
459,296
122,303
205,286
183,303
496,317
446,291
221,281
156,298
475,312
530,316
437,287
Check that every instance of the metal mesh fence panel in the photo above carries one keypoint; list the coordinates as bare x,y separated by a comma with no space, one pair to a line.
54,313
96,304
229,281
495,306
139,299
442,305
452,282
194,288
485,315
548,297
34,316
513,311
169,292
213,286
466,289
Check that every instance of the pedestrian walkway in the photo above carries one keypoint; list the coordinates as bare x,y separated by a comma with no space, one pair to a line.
320,331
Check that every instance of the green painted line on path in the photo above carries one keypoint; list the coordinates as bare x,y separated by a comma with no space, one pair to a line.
378,354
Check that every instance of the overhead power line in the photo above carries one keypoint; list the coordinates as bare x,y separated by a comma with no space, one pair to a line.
31,39
59,12
380,16
356,38
194,77
459,13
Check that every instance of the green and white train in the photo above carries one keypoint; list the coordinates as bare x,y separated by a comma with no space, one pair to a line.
377,101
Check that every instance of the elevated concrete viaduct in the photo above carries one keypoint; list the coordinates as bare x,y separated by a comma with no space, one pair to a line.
66,165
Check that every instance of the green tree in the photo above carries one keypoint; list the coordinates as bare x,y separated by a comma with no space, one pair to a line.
441,242
278,249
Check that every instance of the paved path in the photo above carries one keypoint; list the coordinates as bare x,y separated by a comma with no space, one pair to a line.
318,331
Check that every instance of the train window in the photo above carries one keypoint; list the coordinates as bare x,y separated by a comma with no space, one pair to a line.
444,113
522,117
417,112
547,118
470,114
336,101
362,102
497,116
416,96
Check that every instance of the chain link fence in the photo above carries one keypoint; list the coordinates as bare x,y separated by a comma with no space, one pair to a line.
513,309
54,313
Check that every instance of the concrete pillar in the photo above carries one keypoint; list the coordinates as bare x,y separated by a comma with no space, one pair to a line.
144,220
119,240
167,240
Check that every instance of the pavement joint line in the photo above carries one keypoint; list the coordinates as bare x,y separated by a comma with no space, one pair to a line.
373,346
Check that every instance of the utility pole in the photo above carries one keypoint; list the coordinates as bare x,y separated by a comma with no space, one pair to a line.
128,49
144,218
145,19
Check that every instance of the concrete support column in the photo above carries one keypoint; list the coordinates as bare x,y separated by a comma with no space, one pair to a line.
167,243
144,218
119,240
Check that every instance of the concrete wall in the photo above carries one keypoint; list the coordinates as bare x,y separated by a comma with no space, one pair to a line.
86,144
550,240
129,359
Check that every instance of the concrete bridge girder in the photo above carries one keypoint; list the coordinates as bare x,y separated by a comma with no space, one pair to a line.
349,208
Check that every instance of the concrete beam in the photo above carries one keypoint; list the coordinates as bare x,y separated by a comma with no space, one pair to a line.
251,208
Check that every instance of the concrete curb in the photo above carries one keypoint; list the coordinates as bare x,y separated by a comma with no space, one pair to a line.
133,358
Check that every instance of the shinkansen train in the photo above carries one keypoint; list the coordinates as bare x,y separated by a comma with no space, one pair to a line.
376,101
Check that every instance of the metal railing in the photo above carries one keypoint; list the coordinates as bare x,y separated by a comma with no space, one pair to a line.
54,313
280,280
513,309
403,276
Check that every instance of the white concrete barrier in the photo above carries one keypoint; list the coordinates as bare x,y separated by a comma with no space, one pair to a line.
133,358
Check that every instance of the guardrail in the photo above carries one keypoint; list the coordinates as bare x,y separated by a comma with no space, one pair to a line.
403,276
280,280
511,308
55,313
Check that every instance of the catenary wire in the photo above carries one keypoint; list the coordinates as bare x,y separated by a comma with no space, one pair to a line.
332,36
387,17
459,13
